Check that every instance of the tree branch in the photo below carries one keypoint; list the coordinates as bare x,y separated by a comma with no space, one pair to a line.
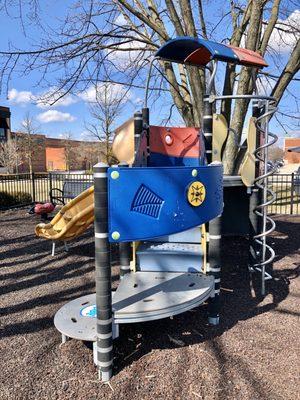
291,68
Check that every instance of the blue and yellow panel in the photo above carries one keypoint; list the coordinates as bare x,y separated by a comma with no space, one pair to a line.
199,52
145,203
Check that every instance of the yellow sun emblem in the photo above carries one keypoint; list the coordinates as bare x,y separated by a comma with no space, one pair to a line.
196,193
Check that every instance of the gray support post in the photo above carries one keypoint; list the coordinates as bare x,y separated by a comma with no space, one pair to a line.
103,275
138,129
255,200
214,226
214,268
53,249
125,258
146,131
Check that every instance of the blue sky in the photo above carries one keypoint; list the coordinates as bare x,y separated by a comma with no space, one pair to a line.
72,113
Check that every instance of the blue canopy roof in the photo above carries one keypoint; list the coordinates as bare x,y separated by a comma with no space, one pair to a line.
179,49
194,51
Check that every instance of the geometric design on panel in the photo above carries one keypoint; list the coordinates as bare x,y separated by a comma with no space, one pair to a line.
147,202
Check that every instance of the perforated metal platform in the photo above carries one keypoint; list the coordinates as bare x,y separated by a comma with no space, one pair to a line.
141,296
77,319
145,296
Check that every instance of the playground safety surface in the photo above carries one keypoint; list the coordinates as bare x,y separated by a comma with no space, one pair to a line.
253,354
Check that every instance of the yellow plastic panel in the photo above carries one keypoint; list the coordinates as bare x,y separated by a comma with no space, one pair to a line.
72,220
123,144
247,169
220,131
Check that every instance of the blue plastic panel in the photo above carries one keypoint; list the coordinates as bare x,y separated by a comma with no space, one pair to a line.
158,160
145,203
179,49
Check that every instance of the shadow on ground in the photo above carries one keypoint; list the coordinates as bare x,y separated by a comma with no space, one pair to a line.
35,285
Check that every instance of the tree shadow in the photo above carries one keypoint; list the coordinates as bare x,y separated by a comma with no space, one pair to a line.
240,298
181,331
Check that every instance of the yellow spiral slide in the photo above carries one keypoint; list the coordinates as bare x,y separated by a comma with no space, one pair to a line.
72,220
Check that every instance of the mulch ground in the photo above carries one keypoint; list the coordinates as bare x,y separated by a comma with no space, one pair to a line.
252,354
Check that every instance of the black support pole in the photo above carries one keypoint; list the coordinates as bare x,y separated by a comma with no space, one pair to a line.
208,128
125,250
146,131
103,275
214,226
138,129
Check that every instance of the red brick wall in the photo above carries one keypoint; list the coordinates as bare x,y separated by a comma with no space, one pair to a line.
55,159
49,154
291,157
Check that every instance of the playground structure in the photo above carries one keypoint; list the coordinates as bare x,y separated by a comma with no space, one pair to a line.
166,211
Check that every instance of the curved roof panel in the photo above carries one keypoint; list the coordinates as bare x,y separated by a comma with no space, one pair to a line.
199,52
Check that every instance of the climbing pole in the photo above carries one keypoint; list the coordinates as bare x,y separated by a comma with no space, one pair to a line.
264,254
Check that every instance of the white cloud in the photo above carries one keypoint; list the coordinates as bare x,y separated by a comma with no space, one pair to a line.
129,55
138,101
20,97
42,100
111,90
53,96
285,39
121,20
264,85
55,116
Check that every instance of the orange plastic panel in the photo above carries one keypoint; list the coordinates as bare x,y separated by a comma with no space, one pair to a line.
177,142
249,57
200,56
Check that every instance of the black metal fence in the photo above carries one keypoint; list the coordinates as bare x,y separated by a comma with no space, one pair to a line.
287,189
24,189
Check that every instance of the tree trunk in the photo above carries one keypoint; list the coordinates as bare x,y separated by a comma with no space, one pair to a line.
241,106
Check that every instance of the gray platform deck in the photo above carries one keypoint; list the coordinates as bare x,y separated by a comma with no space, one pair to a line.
145,296
141,296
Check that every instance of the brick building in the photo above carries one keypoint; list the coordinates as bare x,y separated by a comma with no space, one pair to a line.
290,156
4,123
51,154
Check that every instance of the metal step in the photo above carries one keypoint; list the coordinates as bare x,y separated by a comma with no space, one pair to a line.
141,296
169,257
192,235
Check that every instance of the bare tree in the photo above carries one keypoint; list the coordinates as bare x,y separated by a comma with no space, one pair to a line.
28,145
108,104
9,157
275,153
71,155
91,154
120,35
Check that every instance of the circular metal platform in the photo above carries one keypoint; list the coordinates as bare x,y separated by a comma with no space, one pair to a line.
141,296
77,319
